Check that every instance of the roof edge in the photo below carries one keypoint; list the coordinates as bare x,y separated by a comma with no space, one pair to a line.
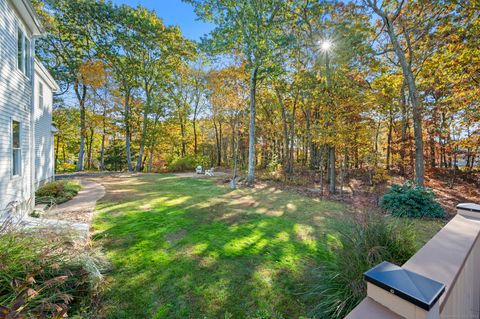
27,13
43,72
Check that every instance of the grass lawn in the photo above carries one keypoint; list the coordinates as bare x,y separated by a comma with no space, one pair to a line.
189,248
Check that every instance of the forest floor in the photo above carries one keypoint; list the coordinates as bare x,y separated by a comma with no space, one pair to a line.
189,247
450,187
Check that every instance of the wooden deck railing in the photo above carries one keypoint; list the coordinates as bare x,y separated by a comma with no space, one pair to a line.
442,280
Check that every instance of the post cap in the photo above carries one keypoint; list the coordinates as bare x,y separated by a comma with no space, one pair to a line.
471,207
412,287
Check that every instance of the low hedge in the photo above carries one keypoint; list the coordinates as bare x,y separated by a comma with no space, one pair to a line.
57,192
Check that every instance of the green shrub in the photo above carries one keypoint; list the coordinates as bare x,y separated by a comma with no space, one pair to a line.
44,275
57,192
187,163
409,200
65,168
355,248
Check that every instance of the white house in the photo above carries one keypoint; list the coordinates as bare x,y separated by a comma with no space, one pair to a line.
26,91
44,88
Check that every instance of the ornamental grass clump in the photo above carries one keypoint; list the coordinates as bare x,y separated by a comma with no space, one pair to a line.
46,274
409,200
356,246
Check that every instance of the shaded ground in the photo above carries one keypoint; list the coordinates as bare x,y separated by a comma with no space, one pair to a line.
450,187
184,247
453,188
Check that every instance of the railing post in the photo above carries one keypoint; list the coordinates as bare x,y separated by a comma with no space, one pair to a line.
408,294
469,210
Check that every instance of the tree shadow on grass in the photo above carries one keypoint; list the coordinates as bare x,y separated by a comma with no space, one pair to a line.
202,250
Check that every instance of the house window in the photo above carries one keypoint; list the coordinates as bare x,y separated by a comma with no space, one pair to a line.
21,51
40,95
28,64
23,58
16,149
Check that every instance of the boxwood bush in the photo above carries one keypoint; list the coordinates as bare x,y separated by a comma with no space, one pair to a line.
409,200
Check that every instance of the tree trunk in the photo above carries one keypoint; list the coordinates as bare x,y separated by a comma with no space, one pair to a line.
104,132
57,149
331,155
232,141
81,93
182,131
375,150
251,135
217,142
150,160
127,131
195,141
331,161
233,184
152,141
389,139
308,146
102,150
433,163
343,165
221,144
322,172
286,141
413,94
139,166
89,149
403,146
146,111
292,135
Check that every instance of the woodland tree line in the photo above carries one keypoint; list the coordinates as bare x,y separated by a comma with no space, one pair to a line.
281,86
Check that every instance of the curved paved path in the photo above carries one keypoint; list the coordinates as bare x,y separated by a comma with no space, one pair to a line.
81,207
76,214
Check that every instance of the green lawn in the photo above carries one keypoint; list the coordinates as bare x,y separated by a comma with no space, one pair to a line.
189,248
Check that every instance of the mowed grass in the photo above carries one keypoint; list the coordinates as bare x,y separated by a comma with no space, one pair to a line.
190,248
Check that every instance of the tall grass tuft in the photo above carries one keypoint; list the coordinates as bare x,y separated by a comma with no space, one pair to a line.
358,245
45,274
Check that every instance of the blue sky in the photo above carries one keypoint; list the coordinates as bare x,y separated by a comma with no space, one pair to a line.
175,12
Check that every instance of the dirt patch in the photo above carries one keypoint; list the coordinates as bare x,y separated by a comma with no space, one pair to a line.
174,237
79,216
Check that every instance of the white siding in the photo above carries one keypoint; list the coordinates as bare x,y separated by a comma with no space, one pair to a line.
44,156
15,104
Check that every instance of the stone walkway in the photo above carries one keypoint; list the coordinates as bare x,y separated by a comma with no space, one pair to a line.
76,214
80,208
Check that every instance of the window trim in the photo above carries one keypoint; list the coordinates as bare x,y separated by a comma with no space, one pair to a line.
26,66
12,160
41,96
20,46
